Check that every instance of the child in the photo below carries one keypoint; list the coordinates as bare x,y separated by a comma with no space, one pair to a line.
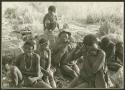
50,24
27,68
45,61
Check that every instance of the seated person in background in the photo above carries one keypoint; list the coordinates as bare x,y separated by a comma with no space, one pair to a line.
109,47
45,62
117,75
119,52
27,68
7,65
92,73
61,50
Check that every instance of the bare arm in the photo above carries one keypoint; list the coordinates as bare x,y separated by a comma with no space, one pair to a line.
57,22
37,65
44,24
77,53
111,52
49,59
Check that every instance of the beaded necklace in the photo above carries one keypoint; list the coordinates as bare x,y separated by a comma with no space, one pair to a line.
26,68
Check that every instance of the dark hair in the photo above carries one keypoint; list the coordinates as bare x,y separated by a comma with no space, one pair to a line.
30,43
90,39
52,8
105,40
64,32
42,40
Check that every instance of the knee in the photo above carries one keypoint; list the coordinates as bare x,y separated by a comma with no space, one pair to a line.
13,68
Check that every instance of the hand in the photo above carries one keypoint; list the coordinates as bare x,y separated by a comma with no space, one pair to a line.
47,73
48,69
31,79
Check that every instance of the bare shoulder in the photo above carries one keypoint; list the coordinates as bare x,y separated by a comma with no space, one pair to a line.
101,52
36,56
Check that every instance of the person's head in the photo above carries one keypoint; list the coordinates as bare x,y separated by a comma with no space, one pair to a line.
91,43
64,36
44,43
52,9
105,41
28,47
8,61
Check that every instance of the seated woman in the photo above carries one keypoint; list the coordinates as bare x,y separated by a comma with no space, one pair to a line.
45,61
92,73
27,69
61,50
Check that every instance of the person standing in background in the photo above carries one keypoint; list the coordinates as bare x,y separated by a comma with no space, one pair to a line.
50,24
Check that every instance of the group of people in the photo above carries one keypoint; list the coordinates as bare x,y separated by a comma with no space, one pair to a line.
37,68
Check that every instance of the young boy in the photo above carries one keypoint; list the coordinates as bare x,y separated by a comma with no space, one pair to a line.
50,19
50,24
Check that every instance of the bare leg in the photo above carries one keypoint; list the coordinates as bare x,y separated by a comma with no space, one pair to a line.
52,81
75,82
41,84
46,79
83,85
69,71
76,68
16,76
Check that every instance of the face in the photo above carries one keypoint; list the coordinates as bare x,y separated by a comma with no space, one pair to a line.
64,37
45,45
28,49
93,49
53,12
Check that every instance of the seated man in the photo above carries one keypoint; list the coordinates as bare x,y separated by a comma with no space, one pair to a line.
92,73
110,49
45,61
61,50
119,52
27,69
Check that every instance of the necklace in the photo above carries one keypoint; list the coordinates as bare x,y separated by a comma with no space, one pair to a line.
25,64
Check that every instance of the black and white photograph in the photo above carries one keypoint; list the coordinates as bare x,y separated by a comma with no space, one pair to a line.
60,45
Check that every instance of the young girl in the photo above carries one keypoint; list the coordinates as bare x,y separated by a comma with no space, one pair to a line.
45,62
27,69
